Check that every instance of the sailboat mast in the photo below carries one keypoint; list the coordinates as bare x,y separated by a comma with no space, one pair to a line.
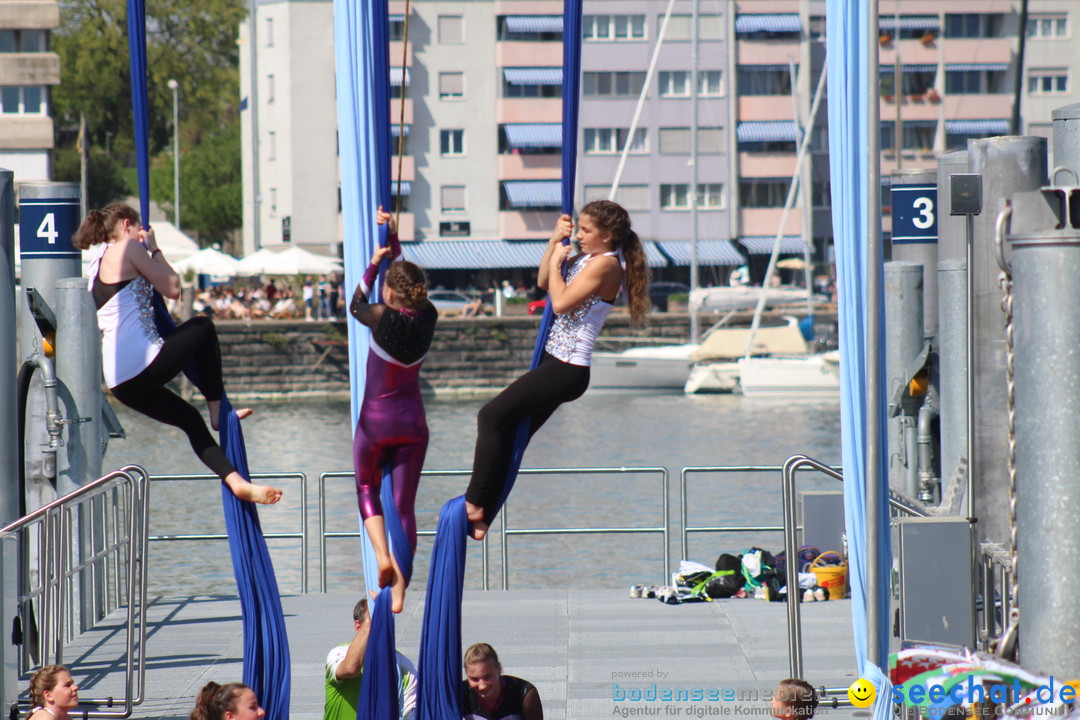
695,330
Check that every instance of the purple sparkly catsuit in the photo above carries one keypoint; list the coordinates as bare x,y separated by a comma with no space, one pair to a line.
392,427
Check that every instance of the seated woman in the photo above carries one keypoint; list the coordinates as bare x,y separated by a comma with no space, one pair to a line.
53,694
126,266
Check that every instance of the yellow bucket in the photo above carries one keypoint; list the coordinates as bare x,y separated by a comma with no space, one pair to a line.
831,577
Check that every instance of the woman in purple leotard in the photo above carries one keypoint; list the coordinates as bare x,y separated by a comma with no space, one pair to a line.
392,428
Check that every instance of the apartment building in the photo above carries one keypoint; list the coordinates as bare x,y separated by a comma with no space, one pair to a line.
27,70
704,145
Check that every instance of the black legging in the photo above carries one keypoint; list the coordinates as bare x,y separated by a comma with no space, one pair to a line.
195,340
535,394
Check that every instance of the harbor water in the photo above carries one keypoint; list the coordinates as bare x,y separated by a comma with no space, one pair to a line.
601,429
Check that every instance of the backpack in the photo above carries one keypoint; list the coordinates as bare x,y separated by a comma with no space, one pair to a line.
727,580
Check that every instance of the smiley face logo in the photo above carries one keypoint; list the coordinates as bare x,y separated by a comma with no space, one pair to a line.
862,693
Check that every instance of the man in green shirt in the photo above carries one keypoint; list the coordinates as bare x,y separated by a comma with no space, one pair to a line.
345,667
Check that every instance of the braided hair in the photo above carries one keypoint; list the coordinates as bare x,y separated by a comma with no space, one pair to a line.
43,680
612,218
409,283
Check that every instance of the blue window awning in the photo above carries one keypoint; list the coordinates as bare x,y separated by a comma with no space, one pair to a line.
709,252
977,127
976,67
406,188
526,135
886,69
763,244
774,23
909,22
396,130
747,180
397,19
533,76
395,76
891,124
474,254
533,193
765,68
534,23
766,131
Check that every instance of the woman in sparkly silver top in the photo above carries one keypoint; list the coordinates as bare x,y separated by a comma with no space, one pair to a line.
612,260
126,266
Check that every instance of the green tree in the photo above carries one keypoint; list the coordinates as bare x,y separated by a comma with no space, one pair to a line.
104,179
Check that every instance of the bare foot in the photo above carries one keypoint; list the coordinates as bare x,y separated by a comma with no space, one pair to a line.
397,593
250,492
386,570
214,406
475,514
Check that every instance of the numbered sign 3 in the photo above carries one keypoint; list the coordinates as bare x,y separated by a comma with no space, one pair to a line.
914,213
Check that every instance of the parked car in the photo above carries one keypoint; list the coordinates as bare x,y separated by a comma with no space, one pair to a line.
537,306
449,301
659,292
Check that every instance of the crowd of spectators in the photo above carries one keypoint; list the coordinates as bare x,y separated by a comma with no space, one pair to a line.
316,299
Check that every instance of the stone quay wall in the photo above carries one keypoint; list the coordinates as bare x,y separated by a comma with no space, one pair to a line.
468,355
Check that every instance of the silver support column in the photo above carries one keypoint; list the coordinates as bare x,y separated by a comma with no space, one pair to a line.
1066,122
952,362
952,229
903,345
1008,165
1046,300
916,213
9,447
78,369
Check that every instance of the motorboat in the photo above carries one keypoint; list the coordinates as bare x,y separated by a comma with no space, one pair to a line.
715,366
804,375
662,367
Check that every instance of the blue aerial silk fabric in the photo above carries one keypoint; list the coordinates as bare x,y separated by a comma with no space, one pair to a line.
361,47
849,48
267,668
440,646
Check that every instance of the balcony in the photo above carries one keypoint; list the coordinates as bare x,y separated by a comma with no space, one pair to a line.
528,54
30,69
528,110
766,164
26,132
529,167
527,224
766,221
395,110
765,107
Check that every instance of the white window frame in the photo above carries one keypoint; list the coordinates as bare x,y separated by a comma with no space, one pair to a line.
444,31
269,32
610,141
21,107
445,95
452,142
446,193
711,196
710,89
673,84
1047,76
1048,26
675,196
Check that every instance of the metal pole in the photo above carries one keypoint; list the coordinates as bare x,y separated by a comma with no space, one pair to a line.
953,367
253,107
78,370
695,329
903,343
875,534
175,87
9,448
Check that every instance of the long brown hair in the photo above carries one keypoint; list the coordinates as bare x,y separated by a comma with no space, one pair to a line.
215,700
43,680
100,225
612,218
408,283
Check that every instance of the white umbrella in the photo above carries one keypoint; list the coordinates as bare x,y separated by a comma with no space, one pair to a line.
297,261
175,244
256,263
208,261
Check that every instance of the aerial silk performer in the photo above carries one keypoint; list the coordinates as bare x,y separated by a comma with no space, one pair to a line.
361,48
266,646
849,48
440,642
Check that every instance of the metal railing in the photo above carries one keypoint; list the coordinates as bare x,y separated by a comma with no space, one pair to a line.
83,556
505,529
996,568
301,534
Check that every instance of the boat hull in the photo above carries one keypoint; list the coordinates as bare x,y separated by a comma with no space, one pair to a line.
805,375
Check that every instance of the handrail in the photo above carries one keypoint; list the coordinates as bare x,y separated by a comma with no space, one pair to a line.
505,530
64,558
302,534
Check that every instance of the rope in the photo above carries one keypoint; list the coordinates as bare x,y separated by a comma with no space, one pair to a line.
266,646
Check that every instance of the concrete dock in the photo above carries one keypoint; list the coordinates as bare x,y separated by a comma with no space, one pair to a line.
580,647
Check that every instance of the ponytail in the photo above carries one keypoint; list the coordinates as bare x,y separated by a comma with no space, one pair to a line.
100,225
612,218
409,283
215,700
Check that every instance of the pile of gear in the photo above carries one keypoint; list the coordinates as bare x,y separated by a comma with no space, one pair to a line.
753,573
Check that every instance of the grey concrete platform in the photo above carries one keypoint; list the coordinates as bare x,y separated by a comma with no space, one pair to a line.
580,647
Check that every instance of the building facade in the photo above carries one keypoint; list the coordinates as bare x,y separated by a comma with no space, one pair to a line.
28,69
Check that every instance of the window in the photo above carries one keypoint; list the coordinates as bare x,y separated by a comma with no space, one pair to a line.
271,145
919,135
710,83
612,140
763,192
269,32
269,88
915,79
710,27
25,41
821,193
451,142
631,197
613,27
531,91
397,28
764,79
529,28
674,84
674,197
710,141
457,228
27,100
612,84
1048,82
678,27
974,82
273,202
1047,27
451,85
817,27
451,30
453,198
674,141
974,25
711,196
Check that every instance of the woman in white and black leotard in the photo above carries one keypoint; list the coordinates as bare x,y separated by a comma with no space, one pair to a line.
126,266
612,258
